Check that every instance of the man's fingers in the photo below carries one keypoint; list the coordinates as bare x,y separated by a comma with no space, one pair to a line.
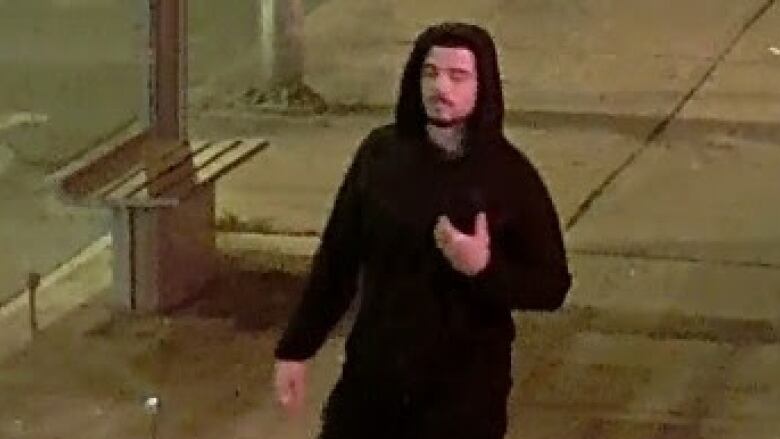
481,227
284,392
444,232
290,385
291,398
447,227
438,233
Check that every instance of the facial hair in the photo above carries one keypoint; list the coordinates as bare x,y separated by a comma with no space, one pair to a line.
446,123
441,123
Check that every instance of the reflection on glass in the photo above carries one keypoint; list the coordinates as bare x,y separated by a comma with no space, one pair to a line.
71,79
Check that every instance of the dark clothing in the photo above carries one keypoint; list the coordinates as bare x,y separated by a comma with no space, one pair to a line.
440,408
429,352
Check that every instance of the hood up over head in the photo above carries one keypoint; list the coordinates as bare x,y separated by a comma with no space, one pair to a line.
486,121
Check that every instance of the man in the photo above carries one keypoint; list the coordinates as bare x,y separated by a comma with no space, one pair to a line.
445,228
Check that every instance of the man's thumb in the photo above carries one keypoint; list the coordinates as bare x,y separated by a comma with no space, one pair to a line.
481,226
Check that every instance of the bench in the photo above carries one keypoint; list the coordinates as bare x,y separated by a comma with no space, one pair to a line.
161,195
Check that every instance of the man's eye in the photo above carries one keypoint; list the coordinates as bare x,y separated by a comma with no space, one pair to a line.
459,76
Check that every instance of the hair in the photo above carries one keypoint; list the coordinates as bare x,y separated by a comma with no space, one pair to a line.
486,120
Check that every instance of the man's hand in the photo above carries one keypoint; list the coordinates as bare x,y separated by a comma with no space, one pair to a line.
290,385
467,254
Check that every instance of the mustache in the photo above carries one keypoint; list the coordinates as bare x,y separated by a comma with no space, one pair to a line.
436,99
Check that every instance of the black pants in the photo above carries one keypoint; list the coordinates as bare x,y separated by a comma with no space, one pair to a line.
473,408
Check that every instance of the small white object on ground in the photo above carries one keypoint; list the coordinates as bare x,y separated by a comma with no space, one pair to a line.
152,405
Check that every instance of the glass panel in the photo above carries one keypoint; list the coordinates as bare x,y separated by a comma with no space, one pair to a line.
220,42
71,79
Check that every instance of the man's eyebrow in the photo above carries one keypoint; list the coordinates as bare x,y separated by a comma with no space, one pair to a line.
450,69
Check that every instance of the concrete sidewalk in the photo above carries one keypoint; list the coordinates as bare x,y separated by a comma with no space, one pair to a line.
650,344
672,329
628,357
617,57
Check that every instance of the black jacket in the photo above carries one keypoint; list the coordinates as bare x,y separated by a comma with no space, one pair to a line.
429,352
416,312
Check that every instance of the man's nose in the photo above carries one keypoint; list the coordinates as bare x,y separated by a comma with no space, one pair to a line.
442,84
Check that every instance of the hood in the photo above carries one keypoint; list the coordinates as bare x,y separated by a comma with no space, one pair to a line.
486,121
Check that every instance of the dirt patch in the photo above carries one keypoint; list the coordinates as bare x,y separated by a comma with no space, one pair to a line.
258,291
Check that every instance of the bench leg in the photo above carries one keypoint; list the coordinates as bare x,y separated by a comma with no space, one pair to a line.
164,256
122,242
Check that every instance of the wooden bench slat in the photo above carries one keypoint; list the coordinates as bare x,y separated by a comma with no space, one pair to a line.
210,163
138,187
97,167
151,182
230,160
140,176
186,172
218,166
136,180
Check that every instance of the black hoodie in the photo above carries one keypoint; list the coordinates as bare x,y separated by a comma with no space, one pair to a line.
417,314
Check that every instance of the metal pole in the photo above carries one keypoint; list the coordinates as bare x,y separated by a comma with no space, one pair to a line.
33,281
168,68
281,27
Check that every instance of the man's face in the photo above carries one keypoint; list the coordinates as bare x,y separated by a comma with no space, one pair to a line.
449,85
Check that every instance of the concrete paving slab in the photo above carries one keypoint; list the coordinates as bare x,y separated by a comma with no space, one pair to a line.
555,55
573,161
574,376
670,367
695,289
290,187
665,27
84,277
616,385
679,371
713,201
624,83
89,370
611,56
739,92
630,385
726,430
353,59
744,87
754,386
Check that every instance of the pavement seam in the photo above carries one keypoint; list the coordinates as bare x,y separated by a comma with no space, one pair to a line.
675,258
646,257
661,127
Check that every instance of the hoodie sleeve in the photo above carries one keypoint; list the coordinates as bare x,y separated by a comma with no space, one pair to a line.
332,282
527,269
